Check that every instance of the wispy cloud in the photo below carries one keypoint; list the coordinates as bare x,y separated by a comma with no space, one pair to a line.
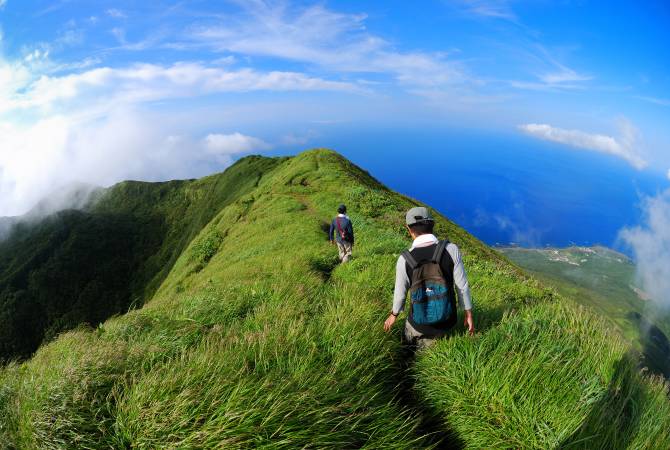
147,82
296,140
650,243
116,13
498,9
96,125
3,3
555,77
624,146
323,38
654,100
564,75
225,145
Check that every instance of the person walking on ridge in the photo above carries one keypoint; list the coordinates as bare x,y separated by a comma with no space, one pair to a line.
430,270
343,230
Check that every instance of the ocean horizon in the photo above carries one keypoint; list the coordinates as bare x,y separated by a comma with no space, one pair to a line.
508,189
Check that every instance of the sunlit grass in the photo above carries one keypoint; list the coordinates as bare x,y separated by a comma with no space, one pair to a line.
257,339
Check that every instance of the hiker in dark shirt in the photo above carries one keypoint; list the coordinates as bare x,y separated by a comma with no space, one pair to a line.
343,230
433,272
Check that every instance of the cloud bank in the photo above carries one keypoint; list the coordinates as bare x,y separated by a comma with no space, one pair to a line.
98,125
650,244
625,146
39,159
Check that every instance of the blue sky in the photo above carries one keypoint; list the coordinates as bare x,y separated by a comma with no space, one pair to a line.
103,91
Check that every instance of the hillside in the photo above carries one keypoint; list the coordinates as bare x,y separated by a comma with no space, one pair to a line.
604,280
252,336
83,266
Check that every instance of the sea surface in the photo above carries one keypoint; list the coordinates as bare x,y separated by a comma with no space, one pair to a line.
507,188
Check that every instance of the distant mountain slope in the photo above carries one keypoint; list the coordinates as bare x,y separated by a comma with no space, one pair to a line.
605,280
257,338
84,266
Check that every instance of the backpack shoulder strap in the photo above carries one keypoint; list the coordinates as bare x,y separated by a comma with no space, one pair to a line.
439,251
409,259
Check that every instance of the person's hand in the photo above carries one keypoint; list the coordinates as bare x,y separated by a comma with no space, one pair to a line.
389,322
332,242
469,323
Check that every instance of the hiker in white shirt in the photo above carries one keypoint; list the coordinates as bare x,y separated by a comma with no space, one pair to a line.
441,278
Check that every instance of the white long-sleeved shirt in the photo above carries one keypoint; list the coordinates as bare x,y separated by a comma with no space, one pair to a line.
402,281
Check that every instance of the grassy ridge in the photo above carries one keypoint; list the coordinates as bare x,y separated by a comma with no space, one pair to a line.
256,338
84,266
605,281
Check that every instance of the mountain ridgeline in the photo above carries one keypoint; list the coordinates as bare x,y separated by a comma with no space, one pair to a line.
212,313
82,266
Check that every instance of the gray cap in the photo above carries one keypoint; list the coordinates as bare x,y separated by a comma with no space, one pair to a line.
418,214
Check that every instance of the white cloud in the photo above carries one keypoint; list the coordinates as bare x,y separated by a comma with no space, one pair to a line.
144,83
654,100
36,55
651,246
668,174
498,9
297,140
624,146
224,145
552,75
126,143
96,125
563,76
3,3
116,13
120,34
318,36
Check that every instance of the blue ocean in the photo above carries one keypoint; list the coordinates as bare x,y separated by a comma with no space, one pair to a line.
507,188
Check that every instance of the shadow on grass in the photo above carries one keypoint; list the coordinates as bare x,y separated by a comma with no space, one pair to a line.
324,266
325,227
431,425
655,345
613,420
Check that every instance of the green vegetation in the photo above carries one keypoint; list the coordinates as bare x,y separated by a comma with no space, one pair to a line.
257,338
84,266
604,280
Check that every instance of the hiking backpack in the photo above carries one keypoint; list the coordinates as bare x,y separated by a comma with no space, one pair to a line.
430,301
344,234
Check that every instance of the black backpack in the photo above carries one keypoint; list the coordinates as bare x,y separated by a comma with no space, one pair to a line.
431,302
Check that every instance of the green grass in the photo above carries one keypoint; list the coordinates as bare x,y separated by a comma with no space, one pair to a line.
256,338
604,281
84,266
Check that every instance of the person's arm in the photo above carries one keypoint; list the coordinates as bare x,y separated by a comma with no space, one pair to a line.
399,292
462,286
350,225
330,232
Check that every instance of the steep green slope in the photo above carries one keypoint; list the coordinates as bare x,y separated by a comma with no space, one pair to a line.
604,280
84,266
256,338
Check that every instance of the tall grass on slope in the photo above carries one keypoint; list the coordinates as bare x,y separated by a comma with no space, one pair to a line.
549,376
257,338
295,383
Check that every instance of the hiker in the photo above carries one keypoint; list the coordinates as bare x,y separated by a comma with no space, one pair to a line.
344,233
429,270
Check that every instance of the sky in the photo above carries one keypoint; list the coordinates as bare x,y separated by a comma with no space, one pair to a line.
101,91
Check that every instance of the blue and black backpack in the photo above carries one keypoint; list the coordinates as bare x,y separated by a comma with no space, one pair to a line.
431,293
